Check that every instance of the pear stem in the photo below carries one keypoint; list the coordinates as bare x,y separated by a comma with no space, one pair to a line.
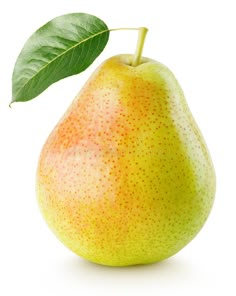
139,48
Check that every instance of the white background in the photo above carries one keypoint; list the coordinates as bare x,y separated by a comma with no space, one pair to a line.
196,40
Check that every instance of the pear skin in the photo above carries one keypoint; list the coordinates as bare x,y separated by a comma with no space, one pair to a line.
125,177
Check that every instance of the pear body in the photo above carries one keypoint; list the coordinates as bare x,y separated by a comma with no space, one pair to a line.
125,177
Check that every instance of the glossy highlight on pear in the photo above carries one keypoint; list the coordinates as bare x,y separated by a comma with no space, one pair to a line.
125,177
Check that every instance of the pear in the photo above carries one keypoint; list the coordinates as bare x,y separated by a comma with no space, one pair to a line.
125,177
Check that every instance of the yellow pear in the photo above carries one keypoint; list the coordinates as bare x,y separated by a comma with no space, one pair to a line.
125,177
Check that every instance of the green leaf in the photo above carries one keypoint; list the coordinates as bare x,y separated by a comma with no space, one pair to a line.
65,46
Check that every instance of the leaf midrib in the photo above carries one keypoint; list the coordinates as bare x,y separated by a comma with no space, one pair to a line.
74,46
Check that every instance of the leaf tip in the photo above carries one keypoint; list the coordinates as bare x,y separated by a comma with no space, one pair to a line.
10,104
